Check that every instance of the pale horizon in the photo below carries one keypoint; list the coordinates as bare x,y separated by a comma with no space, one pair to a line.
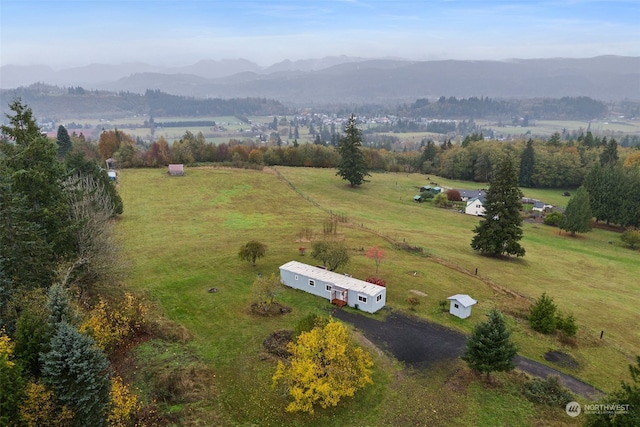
71,33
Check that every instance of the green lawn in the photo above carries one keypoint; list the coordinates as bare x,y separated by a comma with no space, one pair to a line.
182,236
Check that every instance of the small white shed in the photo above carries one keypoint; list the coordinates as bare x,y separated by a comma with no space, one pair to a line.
461,305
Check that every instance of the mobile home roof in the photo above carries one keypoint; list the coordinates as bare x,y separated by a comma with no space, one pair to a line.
331,277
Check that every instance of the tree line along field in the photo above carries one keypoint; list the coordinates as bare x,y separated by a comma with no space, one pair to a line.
182,235
138,128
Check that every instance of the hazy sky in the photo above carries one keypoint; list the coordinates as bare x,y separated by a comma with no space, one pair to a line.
181,32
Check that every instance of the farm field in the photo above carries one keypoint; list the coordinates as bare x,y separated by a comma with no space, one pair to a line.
182,235
548,127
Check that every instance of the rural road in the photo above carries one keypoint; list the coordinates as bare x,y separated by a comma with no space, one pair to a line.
420,343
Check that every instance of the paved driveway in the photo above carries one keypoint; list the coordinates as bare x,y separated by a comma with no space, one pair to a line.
420,344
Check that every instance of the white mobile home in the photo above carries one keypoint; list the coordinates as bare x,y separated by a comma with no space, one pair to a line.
339,289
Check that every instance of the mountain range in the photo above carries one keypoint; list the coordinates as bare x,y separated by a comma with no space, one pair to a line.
348,80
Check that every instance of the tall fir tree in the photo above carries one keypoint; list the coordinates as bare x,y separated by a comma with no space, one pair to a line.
577,216
78,372
36,176
609,156
527,164
489,349
500,231
352,165
64,142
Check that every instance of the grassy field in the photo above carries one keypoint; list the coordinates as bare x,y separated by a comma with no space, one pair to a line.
182,236
548,127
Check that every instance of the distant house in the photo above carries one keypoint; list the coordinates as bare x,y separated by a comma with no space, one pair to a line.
538,206
466,195
176,170
338,288
475,206
461,305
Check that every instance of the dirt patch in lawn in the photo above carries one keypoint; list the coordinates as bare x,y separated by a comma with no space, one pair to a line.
422,294
561,359
269,310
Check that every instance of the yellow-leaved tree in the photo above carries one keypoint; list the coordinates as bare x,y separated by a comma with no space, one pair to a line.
325,365
124,404
111,324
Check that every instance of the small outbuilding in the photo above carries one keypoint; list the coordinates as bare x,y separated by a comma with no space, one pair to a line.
461,305
339,289
176,170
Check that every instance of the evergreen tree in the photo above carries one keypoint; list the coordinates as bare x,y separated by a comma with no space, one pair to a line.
59,305
609,156
527,165
77,370
490,348
33,331
64,142
352,166
36,177
542,315
627,394
577,217
26,259
501,229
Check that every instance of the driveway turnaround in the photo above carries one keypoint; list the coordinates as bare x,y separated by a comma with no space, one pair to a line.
420,344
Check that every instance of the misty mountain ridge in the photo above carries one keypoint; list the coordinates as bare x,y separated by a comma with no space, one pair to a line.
342,79
12,76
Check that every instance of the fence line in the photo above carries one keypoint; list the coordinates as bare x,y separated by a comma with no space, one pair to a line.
438,260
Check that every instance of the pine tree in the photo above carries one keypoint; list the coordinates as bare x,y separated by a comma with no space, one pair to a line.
489,349
628,394
542,315
36,176
78,373
352,166
501,229
64,142
527,162
577,217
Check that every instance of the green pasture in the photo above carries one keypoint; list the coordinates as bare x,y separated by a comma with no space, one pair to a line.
549,127
182,235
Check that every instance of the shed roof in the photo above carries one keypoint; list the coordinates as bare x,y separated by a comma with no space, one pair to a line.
341,280
464,300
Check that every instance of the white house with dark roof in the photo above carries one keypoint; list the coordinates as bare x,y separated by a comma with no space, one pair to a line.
338,288
466,195
475,206
461,305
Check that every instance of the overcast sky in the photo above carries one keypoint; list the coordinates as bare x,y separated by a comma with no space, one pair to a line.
65,33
